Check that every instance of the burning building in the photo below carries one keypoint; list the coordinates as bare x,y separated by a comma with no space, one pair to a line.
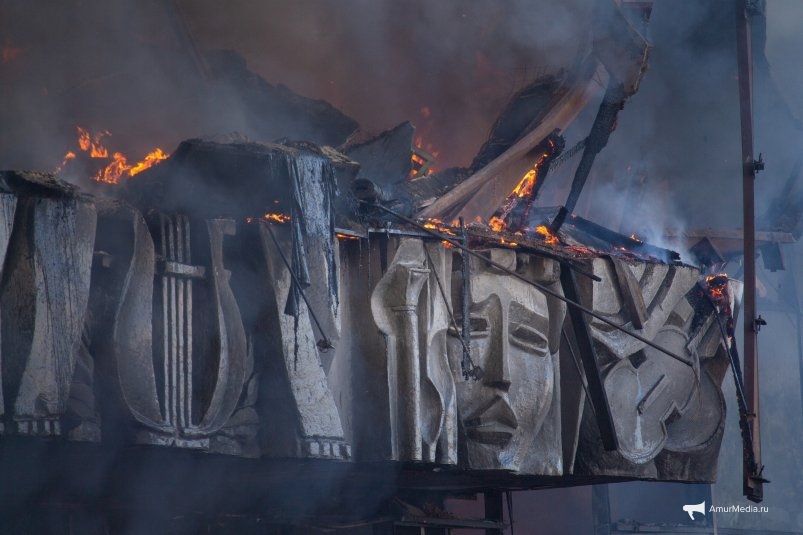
310,328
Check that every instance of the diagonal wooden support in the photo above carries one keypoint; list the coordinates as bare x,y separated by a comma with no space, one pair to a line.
585,347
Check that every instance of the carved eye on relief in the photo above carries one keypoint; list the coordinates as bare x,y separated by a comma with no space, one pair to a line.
480,327
529,339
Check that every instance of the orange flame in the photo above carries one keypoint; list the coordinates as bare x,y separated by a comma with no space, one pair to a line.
346,237
119,166
424,154
717,286
112,172
497,224
151,159
438,224
92,144
67,157
525,186
549,237
523,190
276,218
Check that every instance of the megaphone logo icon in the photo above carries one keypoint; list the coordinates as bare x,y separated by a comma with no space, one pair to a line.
691,509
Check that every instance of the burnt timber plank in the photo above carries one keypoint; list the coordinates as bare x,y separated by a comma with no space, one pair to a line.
585,345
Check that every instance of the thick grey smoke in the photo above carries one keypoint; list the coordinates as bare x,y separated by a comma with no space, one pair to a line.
447,66
681,130
386,62
113,66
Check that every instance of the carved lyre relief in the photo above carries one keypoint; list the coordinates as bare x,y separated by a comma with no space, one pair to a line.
179,354
409,306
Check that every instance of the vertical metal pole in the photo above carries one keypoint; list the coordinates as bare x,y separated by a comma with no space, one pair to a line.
494,510
714,522
601,509
466,305
752,484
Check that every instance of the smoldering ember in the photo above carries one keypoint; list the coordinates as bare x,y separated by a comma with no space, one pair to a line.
289,324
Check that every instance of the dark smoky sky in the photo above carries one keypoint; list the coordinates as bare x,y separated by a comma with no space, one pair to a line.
681,129
448,66
784,43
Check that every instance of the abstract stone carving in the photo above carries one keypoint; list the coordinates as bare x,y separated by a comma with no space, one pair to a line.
515,335
44,297
409,306
316,428
657,403
439,424
635,294
693,439
8,205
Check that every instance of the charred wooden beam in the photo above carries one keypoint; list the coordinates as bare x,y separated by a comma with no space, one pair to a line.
186,40
726,234
494,511
631,294
486,189
601,509
585,346
604,123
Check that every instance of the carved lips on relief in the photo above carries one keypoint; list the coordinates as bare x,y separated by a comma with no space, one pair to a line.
493,423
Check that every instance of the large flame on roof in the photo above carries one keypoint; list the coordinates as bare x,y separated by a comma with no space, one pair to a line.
93,146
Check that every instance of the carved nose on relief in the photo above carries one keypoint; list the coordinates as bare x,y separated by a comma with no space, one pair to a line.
496,374
497,369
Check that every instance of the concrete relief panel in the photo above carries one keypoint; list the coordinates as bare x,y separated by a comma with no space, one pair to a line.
694,439
174,353
637,295
410,306
513,339
298,406
668,415
8,206
44,300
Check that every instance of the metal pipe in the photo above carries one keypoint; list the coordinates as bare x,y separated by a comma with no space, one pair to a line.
465,333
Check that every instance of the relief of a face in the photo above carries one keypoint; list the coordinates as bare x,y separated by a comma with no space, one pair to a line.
502,412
